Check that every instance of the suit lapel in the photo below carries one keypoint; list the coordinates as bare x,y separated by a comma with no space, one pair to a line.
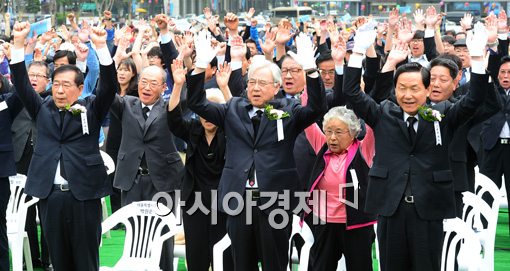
137,111
243,110
153,115
398,113
56,117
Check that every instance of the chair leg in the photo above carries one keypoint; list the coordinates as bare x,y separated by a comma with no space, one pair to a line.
27,252
105,216
16,254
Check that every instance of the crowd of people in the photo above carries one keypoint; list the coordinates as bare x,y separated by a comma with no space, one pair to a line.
376,122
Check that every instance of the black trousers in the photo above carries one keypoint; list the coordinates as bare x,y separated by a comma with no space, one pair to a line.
73,231
407,242
496,163
202,235
142,190
5,193
260,240
333,239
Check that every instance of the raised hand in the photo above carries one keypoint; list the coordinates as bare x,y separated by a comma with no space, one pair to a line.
81,51
178,72
365,36
269,44
237,49
20,32
98,37
6,48
334,35
231,22
419,17
65,32
502,22
305,52
284,35
466,22
83,34
162,22
204,51
477,41
250,14
393,18
38,56
107,14
207,13
398,53
491,25
431,17
338,50
405,31
223,75
70,17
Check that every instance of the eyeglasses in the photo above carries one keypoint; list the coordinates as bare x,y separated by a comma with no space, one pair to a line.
327,72
416,41
37,76
151,85
252,82
64,85
293,71
336,133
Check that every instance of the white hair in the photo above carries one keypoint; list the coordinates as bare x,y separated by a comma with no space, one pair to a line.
154,68
215,95
259,63
344,115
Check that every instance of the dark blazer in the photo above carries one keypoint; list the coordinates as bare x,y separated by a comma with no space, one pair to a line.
7,116
424,164
84,166
273,159
151,137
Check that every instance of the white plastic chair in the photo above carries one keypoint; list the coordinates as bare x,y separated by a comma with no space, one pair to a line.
16,218
218,250
110,168
483,185
468,257
145,222
475,208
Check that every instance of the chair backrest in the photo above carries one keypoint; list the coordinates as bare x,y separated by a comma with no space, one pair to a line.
460,233
108,162
218,250
485,187
148,225
483,220
301,228
17,206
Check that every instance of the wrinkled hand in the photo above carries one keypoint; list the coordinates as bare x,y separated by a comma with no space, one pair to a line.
476,40
223,75
204,51
237,49
338,50
178,72
98,37
231,22
20,32
365,36
305,52
466,21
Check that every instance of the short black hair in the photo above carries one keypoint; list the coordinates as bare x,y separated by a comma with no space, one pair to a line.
419,35
448,38
71,56
41,64
505,59
413,67
78,78
323,56
453,58
155,51
447,63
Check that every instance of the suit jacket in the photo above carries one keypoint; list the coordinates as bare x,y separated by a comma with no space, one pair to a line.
424,164
7,116
273,159
84,166
151,137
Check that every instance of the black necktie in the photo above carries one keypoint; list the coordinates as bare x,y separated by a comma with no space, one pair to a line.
145,110
255,120
62,168
410,128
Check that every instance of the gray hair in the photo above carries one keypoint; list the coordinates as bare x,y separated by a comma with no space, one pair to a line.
154,68
260,64
346,116
215,95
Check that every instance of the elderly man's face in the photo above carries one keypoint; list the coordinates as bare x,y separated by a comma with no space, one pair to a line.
448,48
261,87
64,89
442,85
504,75
410,92
293,76
38,78
463,53
151,85
327,70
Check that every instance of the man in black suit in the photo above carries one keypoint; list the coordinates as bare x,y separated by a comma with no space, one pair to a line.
258,154
67,172
411,184
10,106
